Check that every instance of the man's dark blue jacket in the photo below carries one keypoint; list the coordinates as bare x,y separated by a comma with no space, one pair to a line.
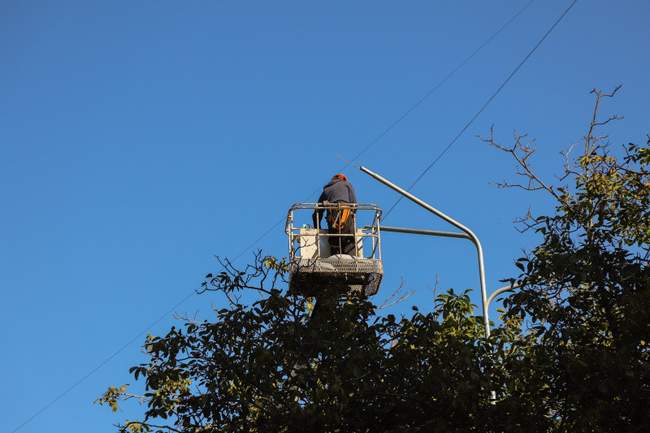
337,190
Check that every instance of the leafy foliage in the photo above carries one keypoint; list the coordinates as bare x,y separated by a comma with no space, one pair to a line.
570,355
586,292
270,366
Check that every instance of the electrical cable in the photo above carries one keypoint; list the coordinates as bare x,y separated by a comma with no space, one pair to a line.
484,106
438,85
128,343
103,363
415,105
369,146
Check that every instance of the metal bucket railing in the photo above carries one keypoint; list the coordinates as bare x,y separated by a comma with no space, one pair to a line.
304,237
313,270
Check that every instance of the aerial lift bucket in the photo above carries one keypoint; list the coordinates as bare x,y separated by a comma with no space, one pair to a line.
314,270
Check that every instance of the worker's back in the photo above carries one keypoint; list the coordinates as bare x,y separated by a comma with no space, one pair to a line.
338,190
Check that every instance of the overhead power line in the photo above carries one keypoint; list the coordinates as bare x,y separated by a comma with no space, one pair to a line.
102,363
438,85
484,106
124,346
264,234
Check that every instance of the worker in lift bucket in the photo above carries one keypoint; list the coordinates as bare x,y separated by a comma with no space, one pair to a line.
338,191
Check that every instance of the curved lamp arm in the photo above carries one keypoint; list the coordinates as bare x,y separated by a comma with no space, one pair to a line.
497,292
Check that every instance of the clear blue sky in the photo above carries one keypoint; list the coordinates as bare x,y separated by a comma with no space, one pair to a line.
140,139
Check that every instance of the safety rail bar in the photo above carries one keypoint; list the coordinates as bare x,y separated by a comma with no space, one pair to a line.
371,231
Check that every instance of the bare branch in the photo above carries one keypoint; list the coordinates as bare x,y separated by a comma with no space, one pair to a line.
126,427
254,276
185,317
526,222
396,297
521,152
591,142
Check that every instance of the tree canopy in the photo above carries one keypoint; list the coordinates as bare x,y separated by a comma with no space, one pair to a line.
570,353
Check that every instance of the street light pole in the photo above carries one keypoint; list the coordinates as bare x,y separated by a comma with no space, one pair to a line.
497,292
467,232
